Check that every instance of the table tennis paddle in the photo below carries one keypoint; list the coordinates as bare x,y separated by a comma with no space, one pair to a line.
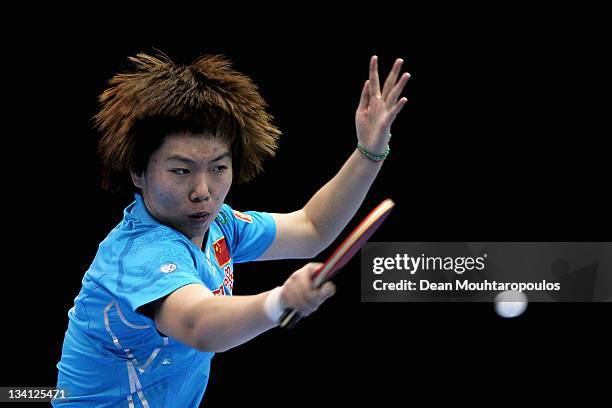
343,253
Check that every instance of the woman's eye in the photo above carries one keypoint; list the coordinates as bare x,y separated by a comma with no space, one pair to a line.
180,171
220,169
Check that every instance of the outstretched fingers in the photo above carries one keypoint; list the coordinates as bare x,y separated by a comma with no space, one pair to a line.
365,96
396,91
392,78
396,109
374,84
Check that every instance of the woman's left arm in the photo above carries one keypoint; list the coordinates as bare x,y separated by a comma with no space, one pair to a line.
306,232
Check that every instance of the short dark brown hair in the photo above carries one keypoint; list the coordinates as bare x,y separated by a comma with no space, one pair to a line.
158,98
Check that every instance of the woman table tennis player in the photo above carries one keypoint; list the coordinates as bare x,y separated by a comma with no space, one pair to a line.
156,304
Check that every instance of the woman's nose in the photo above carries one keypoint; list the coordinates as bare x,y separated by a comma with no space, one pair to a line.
201,191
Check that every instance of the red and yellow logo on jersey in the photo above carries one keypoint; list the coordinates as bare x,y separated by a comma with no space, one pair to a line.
219,291
222,254
228,278
242,216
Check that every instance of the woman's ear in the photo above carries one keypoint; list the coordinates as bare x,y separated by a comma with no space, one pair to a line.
137,178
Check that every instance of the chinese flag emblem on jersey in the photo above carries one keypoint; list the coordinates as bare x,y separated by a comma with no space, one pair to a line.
221,252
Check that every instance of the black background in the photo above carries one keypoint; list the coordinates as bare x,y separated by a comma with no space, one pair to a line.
501,140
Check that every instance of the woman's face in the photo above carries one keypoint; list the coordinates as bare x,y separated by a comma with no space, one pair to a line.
186,181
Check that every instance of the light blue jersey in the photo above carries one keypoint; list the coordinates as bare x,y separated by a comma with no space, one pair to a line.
113,356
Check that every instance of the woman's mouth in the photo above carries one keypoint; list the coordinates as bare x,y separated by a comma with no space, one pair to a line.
200,217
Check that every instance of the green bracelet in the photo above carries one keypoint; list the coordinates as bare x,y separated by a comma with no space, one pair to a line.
372,156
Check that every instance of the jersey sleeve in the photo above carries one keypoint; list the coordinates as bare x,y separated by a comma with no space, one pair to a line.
250,233
153,266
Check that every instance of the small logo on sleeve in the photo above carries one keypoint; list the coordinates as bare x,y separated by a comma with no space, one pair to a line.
221,217
167,268
242,216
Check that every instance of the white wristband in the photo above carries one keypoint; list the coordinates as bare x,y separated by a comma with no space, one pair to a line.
272,305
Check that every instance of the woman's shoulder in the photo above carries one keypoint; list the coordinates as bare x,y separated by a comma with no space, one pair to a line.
145,238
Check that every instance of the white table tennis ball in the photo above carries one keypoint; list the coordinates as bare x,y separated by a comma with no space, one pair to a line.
510,303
